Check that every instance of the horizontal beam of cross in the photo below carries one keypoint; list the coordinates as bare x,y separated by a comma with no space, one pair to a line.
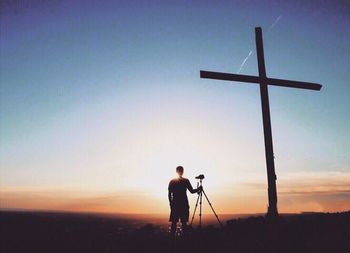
256,79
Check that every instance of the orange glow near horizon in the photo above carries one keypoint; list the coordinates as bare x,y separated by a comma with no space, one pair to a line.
327,193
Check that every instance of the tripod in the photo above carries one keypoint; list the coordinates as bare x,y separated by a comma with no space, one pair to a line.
199,198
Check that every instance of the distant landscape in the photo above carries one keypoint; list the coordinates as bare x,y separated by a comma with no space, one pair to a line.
24,231
131,221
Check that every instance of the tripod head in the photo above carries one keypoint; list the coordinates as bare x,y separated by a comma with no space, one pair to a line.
201,176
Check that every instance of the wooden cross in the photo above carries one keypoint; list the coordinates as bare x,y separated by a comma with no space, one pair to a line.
263,82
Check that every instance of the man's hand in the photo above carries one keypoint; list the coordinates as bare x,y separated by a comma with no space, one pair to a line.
200,189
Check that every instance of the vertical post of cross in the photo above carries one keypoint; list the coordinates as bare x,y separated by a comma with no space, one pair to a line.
270,165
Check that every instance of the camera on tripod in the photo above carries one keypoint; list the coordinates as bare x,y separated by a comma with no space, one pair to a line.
201,192
201,176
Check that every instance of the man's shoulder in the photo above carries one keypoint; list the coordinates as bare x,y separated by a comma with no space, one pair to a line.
181,180
184,180
173,181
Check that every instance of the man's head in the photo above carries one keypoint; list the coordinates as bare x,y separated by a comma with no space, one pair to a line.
180,170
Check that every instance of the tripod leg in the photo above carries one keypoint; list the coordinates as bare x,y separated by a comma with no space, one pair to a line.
212,208
194,212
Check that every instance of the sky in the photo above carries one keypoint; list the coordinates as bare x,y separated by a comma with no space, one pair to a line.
100,101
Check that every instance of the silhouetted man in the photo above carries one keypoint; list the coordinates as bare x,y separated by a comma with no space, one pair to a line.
178,200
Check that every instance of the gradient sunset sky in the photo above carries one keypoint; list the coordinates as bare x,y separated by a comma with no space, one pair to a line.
101,100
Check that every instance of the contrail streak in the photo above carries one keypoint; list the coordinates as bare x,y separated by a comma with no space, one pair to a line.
244,61
251,51
275,23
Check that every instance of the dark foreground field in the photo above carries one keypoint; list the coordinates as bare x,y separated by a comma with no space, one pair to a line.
62,232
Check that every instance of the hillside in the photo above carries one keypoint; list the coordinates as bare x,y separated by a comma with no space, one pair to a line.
62,232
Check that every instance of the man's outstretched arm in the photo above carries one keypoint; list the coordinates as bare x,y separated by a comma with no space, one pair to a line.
190,188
